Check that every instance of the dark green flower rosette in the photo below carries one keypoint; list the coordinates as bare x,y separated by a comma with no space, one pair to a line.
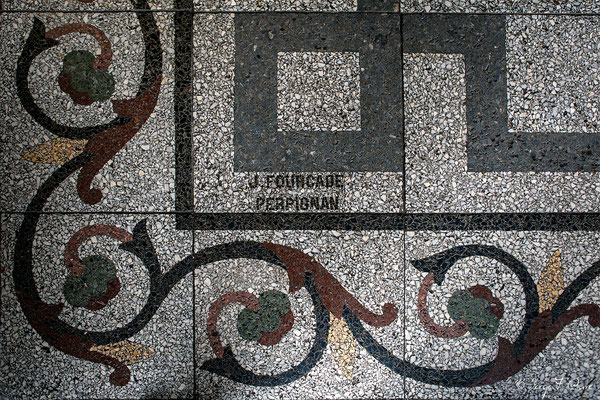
95,286
483,323
84,83
272,305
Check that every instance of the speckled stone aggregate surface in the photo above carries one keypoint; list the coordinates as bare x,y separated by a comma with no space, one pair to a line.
556,369
318,91
556,95
294,199
344,256
500,6
438,179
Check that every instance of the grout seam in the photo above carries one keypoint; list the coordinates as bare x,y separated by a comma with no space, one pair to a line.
175,10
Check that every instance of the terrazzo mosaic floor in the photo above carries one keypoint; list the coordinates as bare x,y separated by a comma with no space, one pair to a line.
300,199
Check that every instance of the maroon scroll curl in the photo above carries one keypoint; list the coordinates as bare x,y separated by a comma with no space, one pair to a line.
333,295
103,146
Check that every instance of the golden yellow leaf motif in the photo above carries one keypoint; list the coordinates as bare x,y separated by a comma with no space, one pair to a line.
126,351
56,151
343,345
551,283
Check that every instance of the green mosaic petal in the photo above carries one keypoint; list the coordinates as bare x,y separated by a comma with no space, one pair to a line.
458,305
483,324
97,287
248,325
486,327
269,319
103,86
98,84
275,300
81,79
99,268
77,60
477,309
76,292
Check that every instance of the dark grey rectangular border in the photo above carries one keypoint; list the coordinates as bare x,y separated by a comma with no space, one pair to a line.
566,222
183,107
378,5
449,33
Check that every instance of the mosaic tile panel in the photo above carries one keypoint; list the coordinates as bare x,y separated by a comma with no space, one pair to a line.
211,173
99,333
319,356
49,118
500,6
276,5
487,306
299,200
439,180
85,5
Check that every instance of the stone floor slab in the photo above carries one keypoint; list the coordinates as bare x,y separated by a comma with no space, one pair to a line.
321,353
47,121
58,328
517,276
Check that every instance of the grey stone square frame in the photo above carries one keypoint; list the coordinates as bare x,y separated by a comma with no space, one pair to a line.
378,146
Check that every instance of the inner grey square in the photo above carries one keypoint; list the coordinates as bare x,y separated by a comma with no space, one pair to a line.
318,91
